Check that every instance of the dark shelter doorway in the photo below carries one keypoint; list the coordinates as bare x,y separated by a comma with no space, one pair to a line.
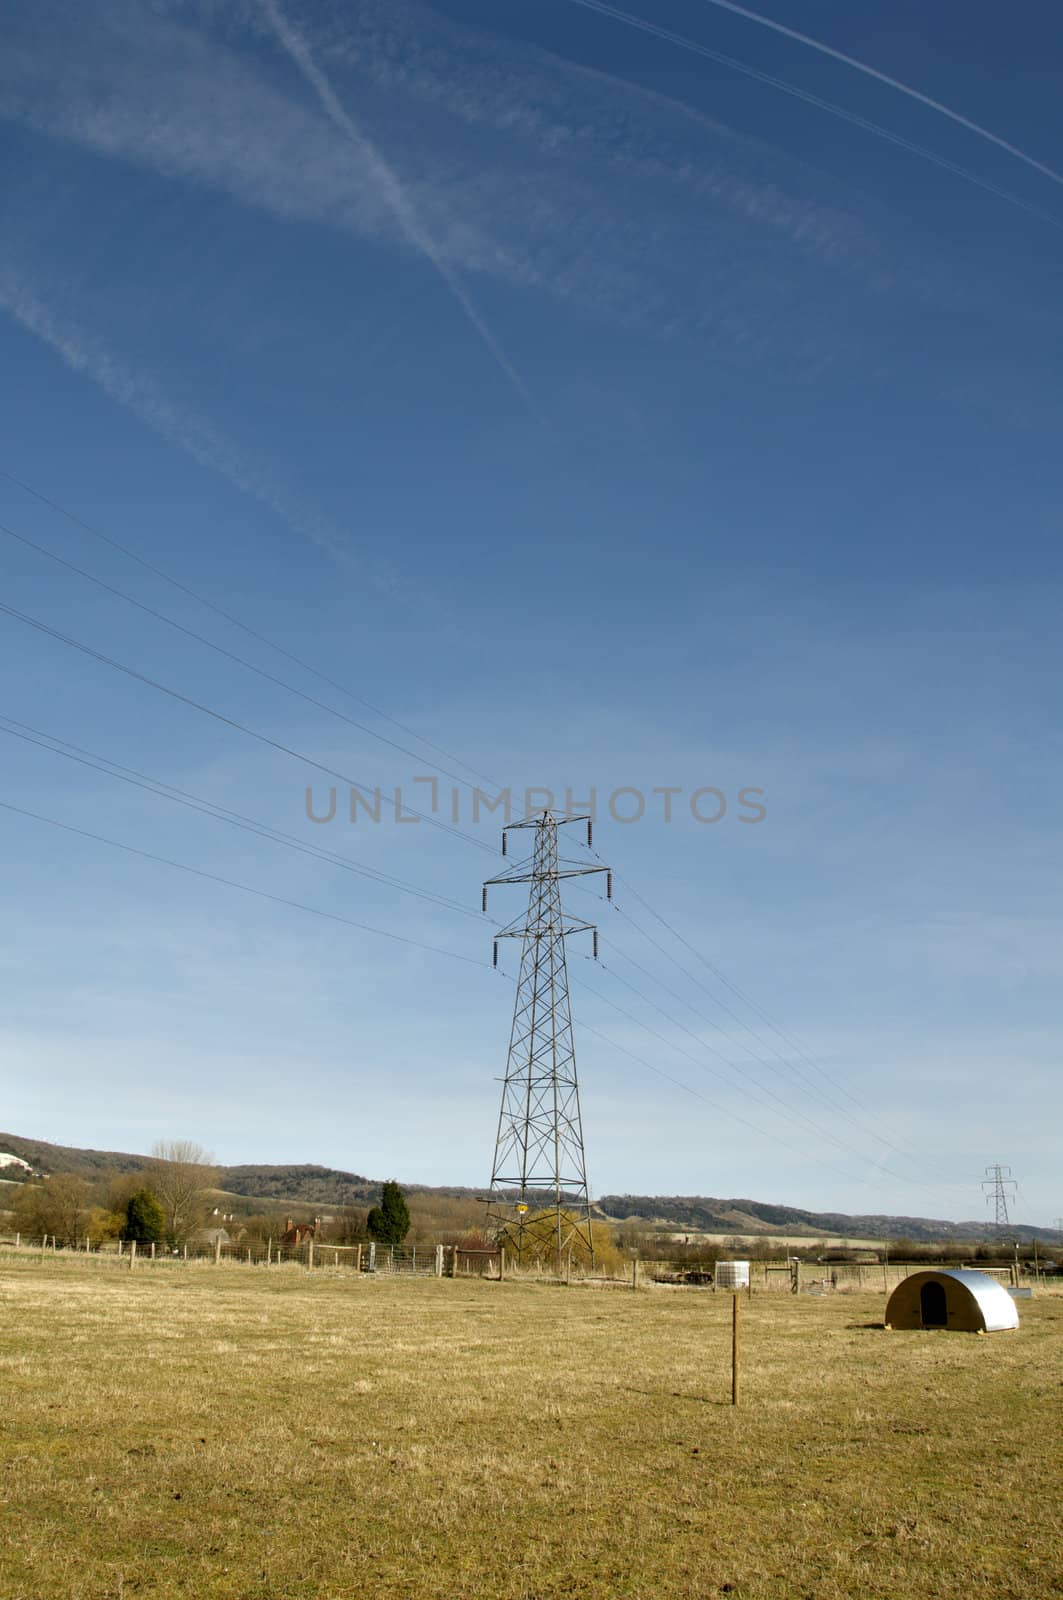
932,1305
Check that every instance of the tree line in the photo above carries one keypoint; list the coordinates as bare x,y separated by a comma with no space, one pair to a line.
170,1201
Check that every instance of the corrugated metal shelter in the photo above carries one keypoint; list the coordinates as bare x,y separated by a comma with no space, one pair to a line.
959,1299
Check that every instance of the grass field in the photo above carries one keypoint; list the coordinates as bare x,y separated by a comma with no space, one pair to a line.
247,1433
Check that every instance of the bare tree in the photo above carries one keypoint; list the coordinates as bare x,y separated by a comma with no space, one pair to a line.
57,1207
181,1177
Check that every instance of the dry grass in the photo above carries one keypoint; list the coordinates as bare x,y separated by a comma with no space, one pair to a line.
252,1433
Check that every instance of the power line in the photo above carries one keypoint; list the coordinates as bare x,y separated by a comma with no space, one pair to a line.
230,722
753,1005
739,994
735,1116
229,617
721,977
802,1078
232,883
264,830
210,644
751,1083
235,621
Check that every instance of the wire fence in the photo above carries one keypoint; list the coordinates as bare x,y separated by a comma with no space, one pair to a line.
454,1260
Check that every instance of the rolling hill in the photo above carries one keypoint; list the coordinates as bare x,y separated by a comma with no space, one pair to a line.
270,1185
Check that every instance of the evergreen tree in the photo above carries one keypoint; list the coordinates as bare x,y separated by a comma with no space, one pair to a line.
144,1220
389,1222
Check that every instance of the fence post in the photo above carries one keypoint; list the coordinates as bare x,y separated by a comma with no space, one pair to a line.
269,1250
439,1260
119,1247
310,1256
18,1240
358,1259
217,1250
185,1252
735,1348
335,1258
635,1273
153,1249
453,1261
249,1255
372,1256
132,1254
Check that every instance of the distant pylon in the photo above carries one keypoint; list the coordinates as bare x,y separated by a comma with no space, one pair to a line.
539,1159
997,1182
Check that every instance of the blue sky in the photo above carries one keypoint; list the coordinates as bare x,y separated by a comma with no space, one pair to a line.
610,418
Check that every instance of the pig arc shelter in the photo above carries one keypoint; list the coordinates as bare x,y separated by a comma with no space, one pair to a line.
959,1299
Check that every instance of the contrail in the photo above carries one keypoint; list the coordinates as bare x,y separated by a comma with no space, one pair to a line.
389,187
893,83
196,435
682,42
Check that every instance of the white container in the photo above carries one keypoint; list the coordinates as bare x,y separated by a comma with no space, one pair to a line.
732,1274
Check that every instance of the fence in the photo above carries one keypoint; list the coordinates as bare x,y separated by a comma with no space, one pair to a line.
455,1260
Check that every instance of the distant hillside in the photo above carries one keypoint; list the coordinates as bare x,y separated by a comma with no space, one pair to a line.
49,1158
702,1214
306,1185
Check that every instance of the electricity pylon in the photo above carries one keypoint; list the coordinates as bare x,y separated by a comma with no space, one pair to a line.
997,1182
539,1159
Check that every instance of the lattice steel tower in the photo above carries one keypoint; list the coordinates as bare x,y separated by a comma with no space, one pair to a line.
997,1182
539,1160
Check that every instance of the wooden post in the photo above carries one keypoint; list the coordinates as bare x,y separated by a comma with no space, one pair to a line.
153,1249
735,1349
269,1250
249,1255
358,1259
44,1246
18,1240
635,1273
335,1258
310,1256
119,1247
453,1261
132,1254
439,1260
217,1250
184,1252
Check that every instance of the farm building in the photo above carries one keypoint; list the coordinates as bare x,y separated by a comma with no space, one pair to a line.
957,1298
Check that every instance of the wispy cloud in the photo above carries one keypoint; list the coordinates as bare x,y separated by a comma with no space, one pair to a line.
590,190
196,435
390,187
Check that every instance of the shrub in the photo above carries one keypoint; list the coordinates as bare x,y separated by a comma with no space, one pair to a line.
144,1219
